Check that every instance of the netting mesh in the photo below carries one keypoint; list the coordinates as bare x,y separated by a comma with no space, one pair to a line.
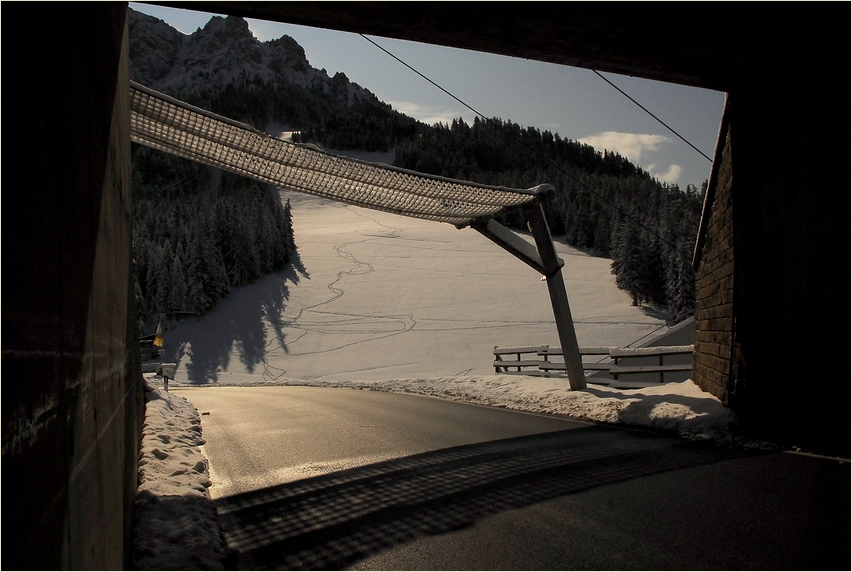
164,123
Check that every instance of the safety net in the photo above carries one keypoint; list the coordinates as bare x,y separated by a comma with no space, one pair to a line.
173,126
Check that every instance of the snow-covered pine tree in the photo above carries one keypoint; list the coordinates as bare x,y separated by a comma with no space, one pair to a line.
177,295
162,278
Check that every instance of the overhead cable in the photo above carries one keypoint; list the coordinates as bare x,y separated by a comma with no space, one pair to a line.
562,169
421,75
654,116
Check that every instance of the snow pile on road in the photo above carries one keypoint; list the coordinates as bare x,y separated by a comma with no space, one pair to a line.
679,407
175,524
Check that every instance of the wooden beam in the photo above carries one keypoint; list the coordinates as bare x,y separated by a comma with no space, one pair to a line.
558,296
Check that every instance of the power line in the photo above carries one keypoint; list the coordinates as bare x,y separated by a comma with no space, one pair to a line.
421,75
582,184
652,115
643,108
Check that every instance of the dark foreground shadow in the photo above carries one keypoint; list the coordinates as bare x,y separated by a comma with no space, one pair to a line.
332,521
164,522
237,325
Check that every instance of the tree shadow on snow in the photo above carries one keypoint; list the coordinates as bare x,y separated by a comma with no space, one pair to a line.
655,312
236,326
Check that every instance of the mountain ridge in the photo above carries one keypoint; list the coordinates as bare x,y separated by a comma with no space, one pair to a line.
201,65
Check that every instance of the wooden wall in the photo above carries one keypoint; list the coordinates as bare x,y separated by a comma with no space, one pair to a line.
72,397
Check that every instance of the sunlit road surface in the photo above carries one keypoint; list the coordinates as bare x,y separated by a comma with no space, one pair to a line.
265,436
321,478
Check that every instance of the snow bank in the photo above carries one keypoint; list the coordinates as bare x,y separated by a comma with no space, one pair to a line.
175,525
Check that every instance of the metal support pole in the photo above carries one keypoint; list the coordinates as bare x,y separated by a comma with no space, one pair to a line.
558,297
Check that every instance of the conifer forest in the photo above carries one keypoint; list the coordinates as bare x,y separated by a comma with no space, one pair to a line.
198,232
603,204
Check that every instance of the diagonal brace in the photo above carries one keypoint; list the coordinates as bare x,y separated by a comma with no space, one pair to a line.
511,242
558,295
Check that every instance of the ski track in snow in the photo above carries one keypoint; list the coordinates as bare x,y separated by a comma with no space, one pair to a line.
401,323
399,296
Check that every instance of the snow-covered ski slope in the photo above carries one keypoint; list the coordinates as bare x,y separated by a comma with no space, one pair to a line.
375,296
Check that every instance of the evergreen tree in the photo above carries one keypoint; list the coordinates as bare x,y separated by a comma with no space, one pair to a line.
162,300
226,234
627,262
177,296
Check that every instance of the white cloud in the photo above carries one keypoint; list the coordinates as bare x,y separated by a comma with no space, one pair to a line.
672,176
636,147
630,145
429,114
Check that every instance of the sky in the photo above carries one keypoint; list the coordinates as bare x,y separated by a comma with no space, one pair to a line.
573,102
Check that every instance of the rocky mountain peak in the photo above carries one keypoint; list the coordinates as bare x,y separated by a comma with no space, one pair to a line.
225,52
221,31
287,45
286,52
270,85
154,48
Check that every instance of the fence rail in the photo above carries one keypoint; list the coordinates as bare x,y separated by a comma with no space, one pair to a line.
535,360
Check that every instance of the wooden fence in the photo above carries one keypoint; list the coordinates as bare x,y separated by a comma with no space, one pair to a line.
536,360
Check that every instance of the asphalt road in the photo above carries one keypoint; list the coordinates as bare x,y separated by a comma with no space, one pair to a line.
318,478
